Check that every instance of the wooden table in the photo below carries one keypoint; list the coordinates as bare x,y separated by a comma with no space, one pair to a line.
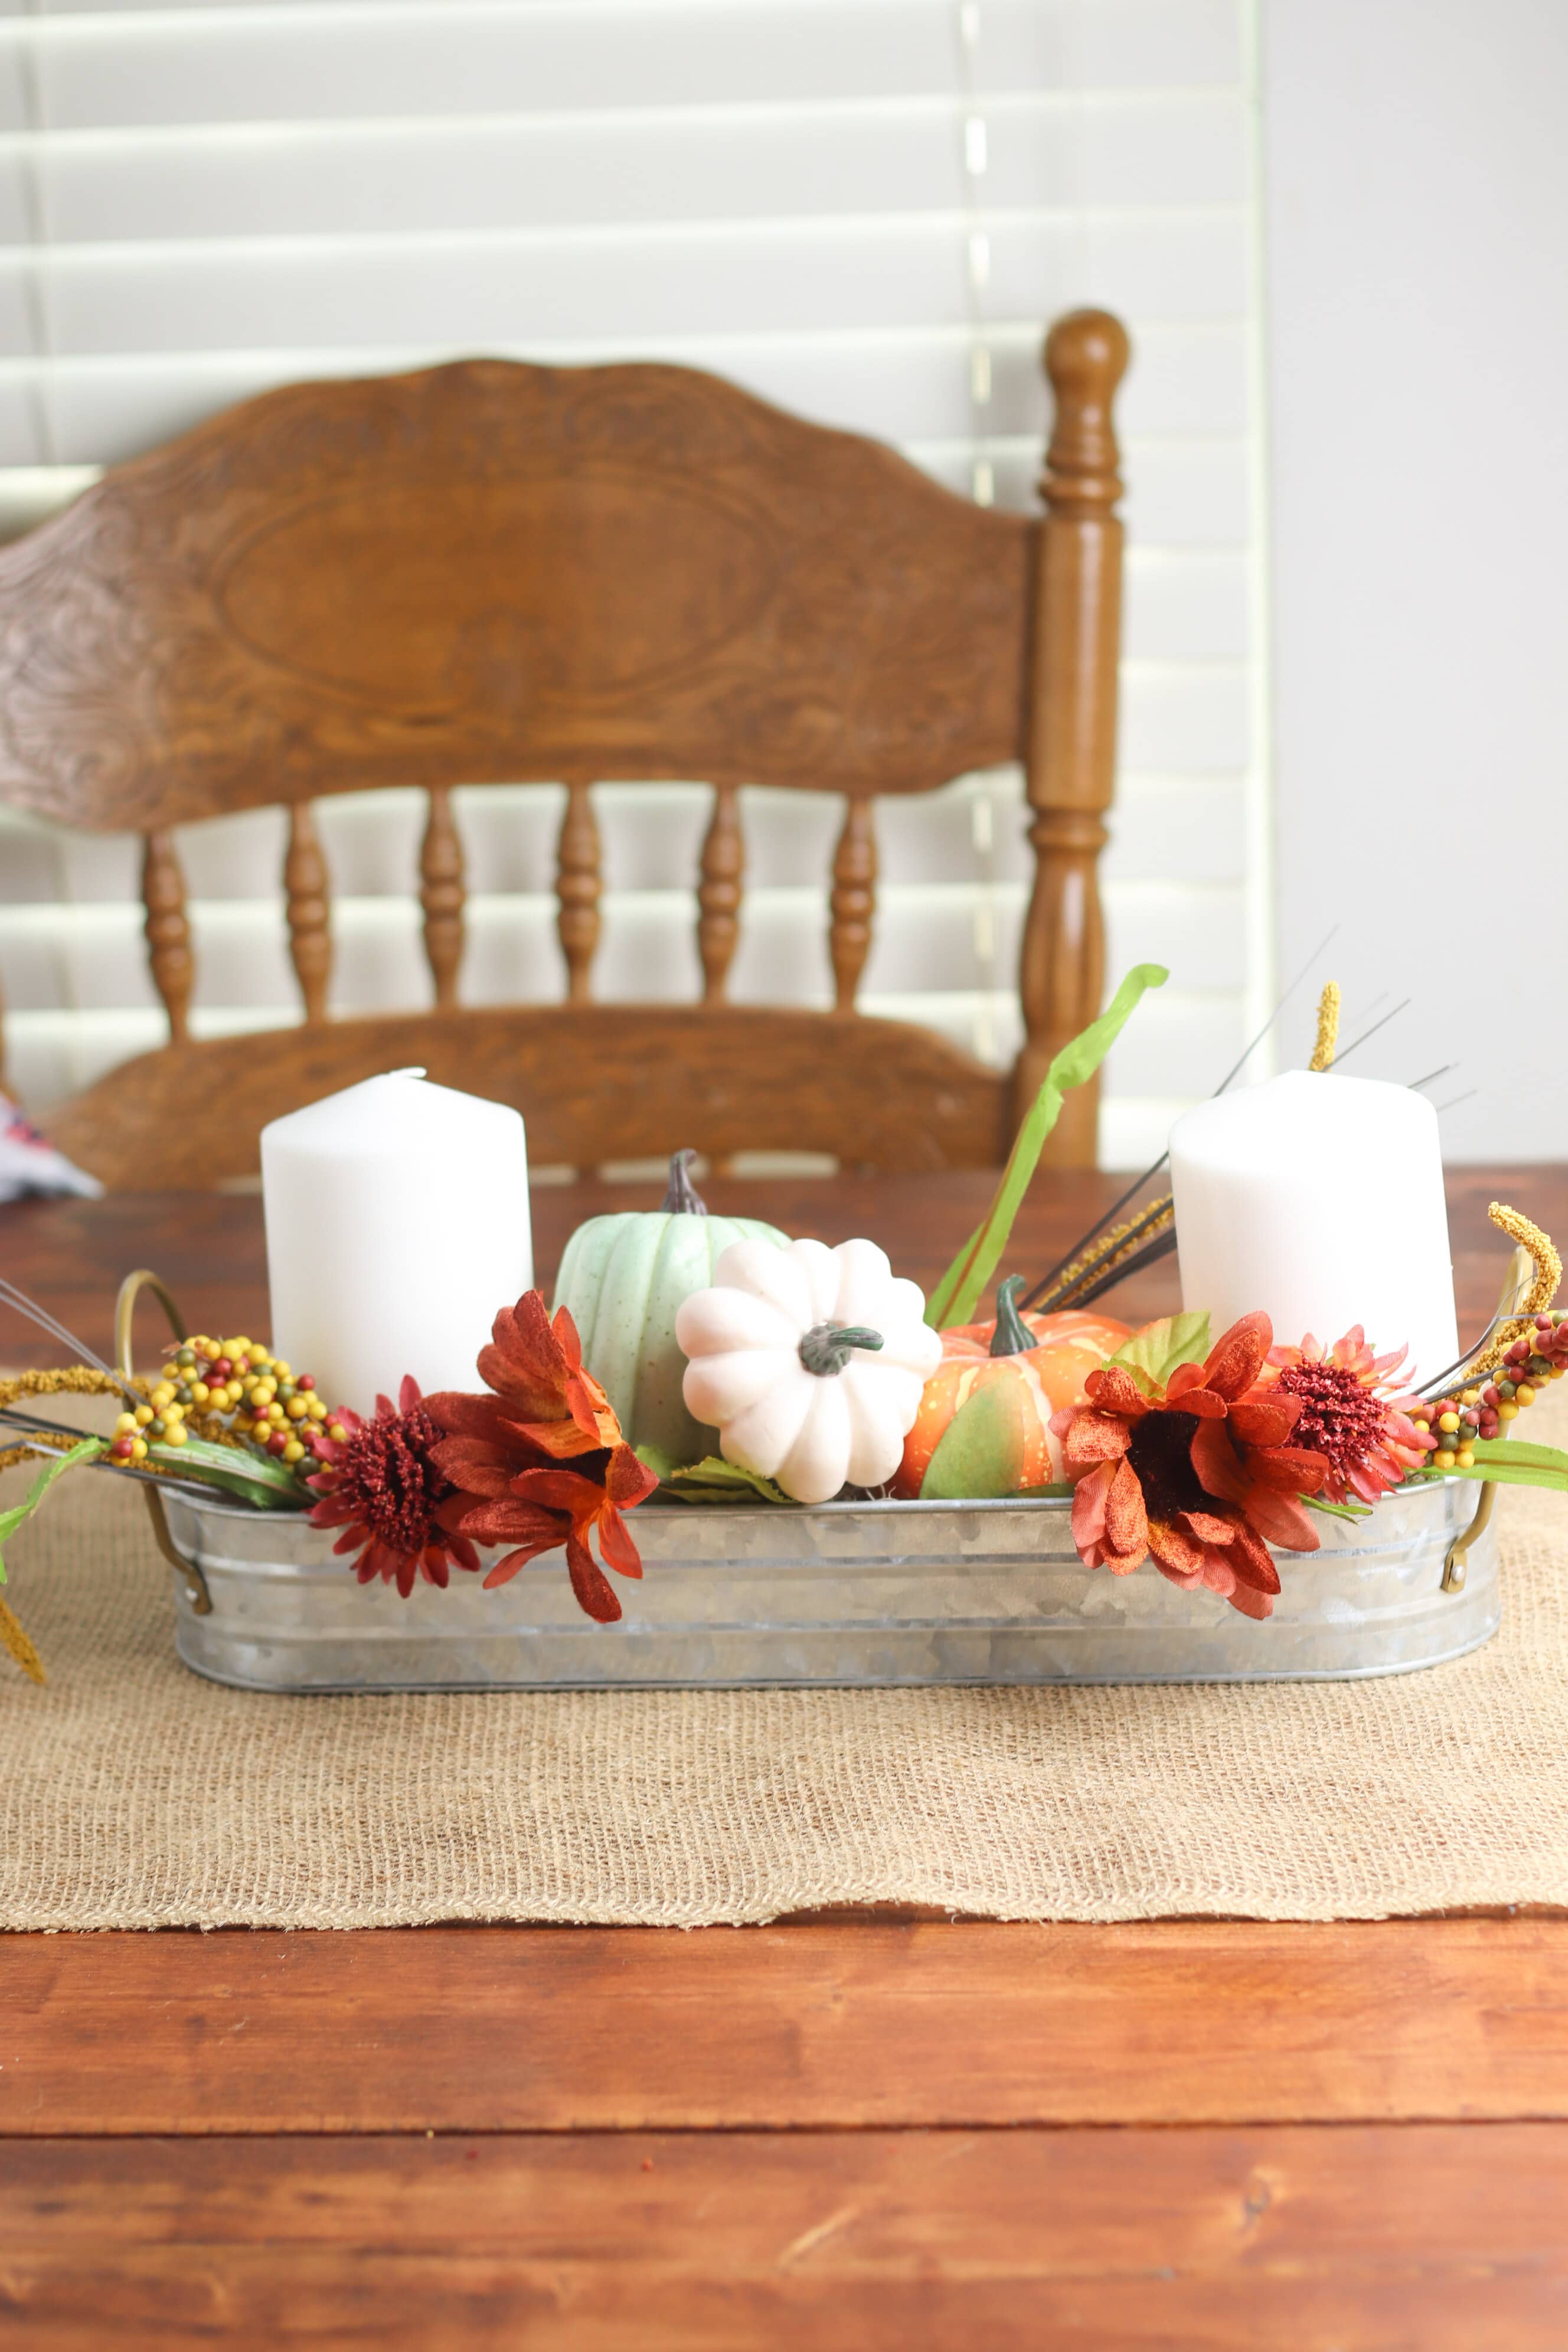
859,2130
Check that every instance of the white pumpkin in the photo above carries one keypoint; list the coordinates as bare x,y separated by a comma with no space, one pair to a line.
809,1362
622,1279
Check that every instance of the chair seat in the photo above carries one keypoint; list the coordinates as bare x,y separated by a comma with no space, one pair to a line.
595,1082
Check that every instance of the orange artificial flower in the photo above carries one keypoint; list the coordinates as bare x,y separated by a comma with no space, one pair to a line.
541,1461
1198,1476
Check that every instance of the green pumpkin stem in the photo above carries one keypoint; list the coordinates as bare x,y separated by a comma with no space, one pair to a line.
826,1347
683,1200
1013,1336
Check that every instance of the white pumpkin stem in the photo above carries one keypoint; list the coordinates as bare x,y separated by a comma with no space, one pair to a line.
826,1347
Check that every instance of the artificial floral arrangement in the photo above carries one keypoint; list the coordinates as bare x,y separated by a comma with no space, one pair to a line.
824,1376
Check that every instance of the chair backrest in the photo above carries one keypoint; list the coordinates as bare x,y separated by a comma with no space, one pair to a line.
497,572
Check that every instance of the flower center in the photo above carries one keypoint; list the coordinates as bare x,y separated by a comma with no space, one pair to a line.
1162,1455
392,1484
1340,1418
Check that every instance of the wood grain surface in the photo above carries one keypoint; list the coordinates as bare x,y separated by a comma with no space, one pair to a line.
849,2132
491,572
1436,2238
816,2025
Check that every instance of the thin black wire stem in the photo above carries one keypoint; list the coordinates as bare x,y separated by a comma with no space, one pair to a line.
1041,1288
1508,1314
26,1422
1380,998
1078,1247
1417,1084
1328,936
19,1299
40,1315
1148,1255
1402,1006
1137,1227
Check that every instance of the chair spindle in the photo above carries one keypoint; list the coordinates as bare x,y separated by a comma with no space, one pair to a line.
168,929
854,900
307,894
442,895
1071,754
719,893
578,887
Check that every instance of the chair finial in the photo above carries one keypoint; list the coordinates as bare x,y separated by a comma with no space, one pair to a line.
1085,357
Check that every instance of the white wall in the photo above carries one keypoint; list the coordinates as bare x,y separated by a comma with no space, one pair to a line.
1415,187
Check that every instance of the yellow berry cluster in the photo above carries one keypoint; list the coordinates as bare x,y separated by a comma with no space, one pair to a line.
1451,1423
249,1390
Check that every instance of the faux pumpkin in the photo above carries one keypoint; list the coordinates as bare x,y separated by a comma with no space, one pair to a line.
623,1278
1047,1357
809,1362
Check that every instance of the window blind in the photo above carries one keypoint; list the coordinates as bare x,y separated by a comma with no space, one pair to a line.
865,210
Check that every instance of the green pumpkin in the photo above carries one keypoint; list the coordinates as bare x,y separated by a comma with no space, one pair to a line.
622,1279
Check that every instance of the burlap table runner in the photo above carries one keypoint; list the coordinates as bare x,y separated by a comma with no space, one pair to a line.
134,1795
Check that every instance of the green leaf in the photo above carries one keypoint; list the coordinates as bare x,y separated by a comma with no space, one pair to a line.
1336,1510
1504,1473
981,1450
258,1479
959,1292
1516,1449
713,1480
88,1451
1153,1354
1508,1462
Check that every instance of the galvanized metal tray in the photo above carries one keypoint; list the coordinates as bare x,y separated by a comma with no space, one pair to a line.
845,1593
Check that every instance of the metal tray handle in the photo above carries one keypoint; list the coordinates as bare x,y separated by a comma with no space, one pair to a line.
131,1290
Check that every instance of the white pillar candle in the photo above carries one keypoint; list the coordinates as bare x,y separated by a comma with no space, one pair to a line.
397,1225
1319,1200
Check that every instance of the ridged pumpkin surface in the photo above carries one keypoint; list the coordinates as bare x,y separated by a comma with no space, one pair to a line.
1052,1374
622,1279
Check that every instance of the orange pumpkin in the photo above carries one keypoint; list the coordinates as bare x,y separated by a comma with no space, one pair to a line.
1050,1356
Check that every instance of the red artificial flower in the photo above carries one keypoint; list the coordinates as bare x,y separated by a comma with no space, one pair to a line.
1351,1413
541,1461
382,1486
1197,1476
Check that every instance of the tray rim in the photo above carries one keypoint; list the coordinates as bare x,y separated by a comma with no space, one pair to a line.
890,1503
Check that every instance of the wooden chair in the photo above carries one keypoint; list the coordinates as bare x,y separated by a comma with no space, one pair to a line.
491,572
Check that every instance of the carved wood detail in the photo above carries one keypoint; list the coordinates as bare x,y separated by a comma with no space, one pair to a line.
442,897
497,572
1070,766
595,1082
168,928
578,887
307,894
853,902
491,572
719,893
